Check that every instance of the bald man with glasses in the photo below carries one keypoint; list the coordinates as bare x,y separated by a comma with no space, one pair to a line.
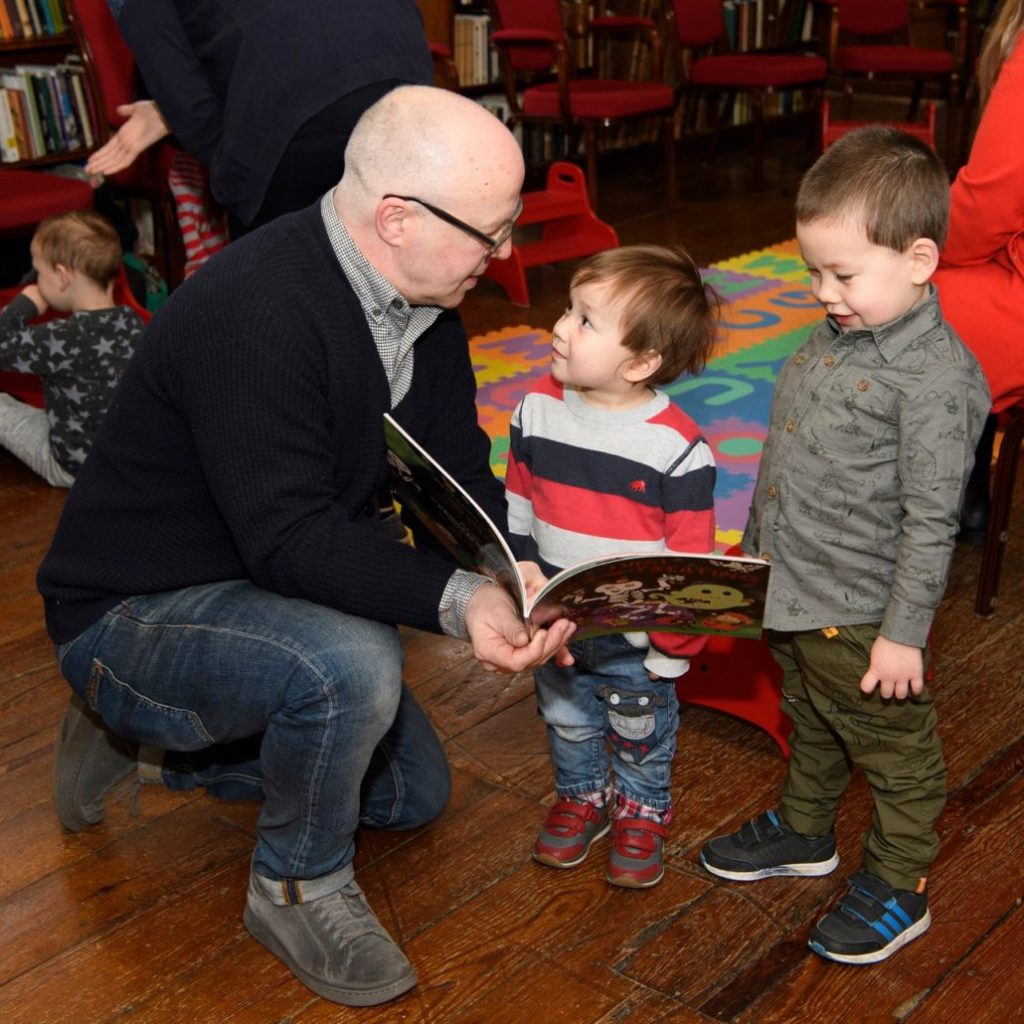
221,593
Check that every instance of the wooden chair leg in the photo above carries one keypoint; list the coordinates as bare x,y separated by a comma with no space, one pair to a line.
997,533
590,148
915,99
847,105
757,117
668,128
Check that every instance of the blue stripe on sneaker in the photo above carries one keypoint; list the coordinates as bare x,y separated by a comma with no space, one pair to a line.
879,926
901,915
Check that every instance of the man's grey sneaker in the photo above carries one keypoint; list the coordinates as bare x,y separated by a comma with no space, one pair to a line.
766,847
88,762
871,922
334,945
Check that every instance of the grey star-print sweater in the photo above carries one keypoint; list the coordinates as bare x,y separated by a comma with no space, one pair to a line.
80,358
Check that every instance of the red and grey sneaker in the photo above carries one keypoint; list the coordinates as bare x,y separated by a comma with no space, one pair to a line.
568,833
635,861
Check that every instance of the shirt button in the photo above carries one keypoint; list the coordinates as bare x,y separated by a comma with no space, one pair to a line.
772,491
800,359
829,361
766,556
790,426
863,385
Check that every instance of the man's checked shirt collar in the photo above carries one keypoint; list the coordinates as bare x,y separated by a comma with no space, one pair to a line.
394,324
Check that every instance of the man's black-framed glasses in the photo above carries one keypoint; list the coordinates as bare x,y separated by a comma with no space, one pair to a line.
493,243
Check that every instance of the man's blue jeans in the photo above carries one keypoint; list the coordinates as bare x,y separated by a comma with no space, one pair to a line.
605,700
262,696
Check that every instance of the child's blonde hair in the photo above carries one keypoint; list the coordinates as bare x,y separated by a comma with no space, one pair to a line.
668,307
83,241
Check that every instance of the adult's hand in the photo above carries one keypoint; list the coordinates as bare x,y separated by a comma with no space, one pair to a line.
501,640
145,125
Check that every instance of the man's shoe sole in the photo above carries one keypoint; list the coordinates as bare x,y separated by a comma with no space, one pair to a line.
812,870
335,993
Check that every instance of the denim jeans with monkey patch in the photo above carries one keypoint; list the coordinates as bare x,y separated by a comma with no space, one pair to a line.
608,723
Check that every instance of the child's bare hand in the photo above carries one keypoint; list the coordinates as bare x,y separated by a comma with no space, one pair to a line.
896,670
532,577
35,296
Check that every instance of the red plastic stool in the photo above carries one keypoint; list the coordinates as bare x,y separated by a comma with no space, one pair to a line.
741,678
833,130
571,229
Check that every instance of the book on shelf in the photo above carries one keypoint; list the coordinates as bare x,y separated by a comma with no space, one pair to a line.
53,103
7,32
24,19
472,49
8,136
38,26
74,76
13,93
663,592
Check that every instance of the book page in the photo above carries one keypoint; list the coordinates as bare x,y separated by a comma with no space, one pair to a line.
449,512
659,593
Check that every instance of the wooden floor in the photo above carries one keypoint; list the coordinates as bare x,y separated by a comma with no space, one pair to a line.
139,918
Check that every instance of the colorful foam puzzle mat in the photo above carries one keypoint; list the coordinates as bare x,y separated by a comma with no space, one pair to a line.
768,311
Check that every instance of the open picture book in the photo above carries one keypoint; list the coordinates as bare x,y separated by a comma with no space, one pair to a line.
665,592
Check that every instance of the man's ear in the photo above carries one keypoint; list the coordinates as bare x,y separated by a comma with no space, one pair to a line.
924,258
392,221
642,367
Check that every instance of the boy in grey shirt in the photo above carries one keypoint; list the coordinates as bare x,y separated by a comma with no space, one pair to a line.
873,429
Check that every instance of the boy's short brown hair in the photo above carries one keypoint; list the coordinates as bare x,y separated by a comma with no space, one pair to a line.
668,307
892,182
83,241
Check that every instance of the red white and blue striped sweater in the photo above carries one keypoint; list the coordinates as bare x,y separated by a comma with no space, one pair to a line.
585,482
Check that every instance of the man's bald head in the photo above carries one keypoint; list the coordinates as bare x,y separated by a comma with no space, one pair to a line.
418,158
430,142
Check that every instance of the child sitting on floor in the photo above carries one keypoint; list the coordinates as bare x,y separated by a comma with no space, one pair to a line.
76,257
602,462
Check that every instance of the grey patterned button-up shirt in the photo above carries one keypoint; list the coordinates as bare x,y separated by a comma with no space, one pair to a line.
870,444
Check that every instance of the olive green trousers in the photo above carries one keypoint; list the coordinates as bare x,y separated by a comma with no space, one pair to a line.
835,727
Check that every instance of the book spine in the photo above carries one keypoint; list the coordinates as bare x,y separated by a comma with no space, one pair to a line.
8,138
82,110
27,31
14,90
7,32
72,133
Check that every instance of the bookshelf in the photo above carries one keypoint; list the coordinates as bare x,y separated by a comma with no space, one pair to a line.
45,114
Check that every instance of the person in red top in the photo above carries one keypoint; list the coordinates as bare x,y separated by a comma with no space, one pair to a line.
981,271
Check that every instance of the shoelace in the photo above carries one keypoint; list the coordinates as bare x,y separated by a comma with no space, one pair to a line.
346,915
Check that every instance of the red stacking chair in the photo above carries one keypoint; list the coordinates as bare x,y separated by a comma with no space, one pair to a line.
543,87
870,39
708,69
27,197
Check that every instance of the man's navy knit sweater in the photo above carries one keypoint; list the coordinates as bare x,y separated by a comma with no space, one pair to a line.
245,441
